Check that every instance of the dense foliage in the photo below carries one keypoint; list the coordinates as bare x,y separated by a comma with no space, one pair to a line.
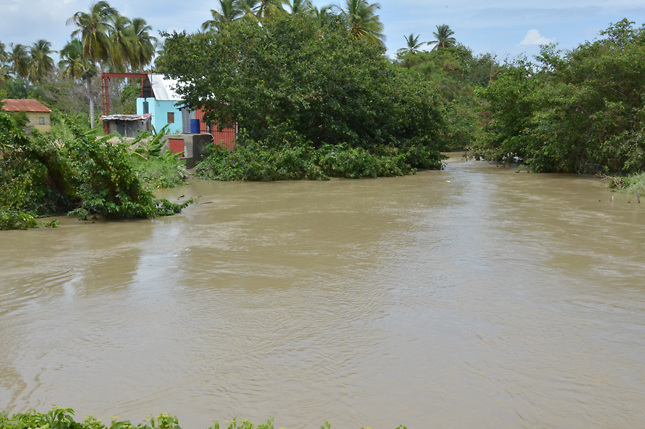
290,80
576,111
63,418
288,161
40,175
456,74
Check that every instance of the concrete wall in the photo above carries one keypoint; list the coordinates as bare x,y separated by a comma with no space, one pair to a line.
126,128
159,111
35,121
194,147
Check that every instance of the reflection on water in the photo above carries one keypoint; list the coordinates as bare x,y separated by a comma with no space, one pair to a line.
447,299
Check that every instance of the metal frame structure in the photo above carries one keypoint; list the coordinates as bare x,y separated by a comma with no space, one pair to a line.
105,86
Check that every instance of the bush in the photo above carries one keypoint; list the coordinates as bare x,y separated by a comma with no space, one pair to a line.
289,157
40,175
63,418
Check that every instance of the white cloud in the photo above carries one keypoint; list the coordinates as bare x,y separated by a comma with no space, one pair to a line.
533,37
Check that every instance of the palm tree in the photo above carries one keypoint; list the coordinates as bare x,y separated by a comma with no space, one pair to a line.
248,8
121,50
94,29
19,61
72,64
230,11
143,44
4,72
41,61
413,43
322,15
363,22
299,6
268,7
443,37
3,53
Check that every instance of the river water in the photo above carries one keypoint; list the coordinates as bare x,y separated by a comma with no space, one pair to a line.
469,297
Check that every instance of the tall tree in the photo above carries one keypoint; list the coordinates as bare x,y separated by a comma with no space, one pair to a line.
363,22
143,49
322,15
413,43
248,8
74,67
4,71
269,7
3,53
299,6
41,60
121,51
230,11
19,61
72,64
443,37
93,30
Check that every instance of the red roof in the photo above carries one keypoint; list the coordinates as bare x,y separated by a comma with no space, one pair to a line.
23,106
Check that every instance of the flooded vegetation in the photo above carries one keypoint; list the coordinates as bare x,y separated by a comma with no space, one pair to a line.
448,298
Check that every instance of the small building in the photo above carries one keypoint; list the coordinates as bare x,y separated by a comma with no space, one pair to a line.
164,106
126,125
38,115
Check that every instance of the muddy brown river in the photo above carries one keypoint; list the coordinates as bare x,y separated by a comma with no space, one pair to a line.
470,297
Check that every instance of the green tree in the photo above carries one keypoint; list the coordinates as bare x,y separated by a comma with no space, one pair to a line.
4,69
363,22
121,49
3,53
143,44
41,60
413,44
282,79
574,111
322,15
455,73
74,67
443,37
249,9
299,6
20,61
229,12
268,8
93,29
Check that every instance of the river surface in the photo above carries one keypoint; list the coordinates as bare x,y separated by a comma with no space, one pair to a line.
469,297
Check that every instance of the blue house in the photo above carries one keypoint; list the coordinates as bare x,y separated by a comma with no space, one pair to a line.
163,105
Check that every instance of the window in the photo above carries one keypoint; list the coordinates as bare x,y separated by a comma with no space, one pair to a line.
41,120
171,117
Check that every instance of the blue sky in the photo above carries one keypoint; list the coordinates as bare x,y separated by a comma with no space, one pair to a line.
504,27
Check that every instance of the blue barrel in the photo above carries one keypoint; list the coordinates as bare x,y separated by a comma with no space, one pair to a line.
194,126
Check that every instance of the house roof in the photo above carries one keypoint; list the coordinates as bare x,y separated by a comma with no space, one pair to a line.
163,89
11,105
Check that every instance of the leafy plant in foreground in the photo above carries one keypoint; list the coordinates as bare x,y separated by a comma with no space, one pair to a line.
63,418
82,175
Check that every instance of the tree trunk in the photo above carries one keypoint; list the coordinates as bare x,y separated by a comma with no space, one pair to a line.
89,94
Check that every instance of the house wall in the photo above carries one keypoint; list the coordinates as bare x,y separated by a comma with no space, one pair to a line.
159,111
224,138
125,128
35,121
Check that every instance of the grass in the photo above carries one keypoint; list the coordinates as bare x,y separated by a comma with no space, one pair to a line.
633,184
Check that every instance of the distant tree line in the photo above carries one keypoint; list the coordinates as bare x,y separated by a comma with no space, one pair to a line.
103,40
577,111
